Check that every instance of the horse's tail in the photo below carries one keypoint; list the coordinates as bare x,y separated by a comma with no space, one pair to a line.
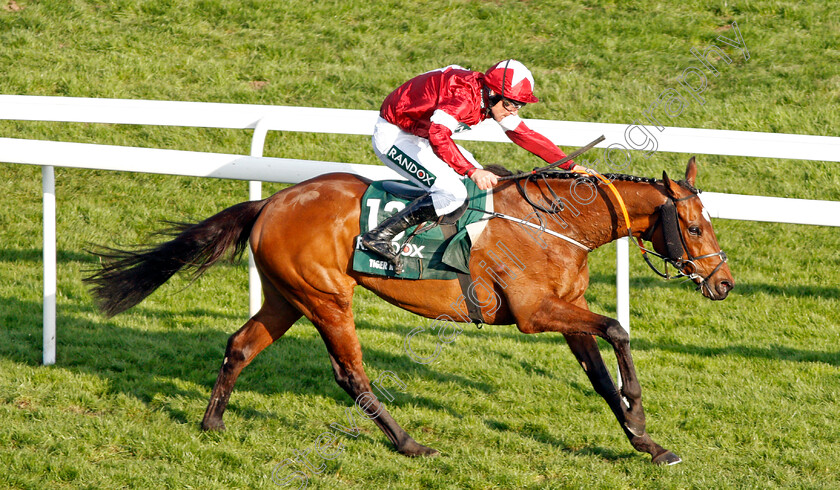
128,276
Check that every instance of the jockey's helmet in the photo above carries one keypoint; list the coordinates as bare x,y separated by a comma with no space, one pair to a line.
511,80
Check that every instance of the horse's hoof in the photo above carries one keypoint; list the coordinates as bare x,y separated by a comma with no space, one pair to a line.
214,425
413,449
667,459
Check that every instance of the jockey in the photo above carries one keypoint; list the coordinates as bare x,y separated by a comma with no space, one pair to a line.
413,136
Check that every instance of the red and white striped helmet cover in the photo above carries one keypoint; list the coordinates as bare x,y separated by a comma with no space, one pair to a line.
518,81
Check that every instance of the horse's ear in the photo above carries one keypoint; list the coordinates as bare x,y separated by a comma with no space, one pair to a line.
691,172
671,187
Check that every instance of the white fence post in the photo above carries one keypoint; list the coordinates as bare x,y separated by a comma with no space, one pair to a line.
622,288
255,194
254,284
622,282
48,185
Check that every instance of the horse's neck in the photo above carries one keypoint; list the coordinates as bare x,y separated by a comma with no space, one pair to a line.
641,200
594,222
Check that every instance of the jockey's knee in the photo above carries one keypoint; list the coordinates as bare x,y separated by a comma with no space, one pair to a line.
448,200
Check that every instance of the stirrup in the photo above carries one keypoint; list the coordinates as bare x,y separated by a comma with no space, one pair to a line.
384,248
379,239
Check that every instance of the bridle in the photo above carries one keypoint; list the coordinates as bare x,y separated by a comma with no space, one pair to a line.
677,248
668,217
675,244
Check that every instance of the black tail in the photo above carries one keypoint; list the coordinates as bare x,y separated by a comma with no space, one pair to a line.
128,276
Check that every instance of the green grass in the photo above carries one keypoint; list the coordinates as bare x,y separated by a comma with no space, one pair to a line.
745,391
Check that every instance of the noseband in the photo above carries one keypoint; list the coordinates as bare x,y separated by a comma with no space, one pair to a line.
676,247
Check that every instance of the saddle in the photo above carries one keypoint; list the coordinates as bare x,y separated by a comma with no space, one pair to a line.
403,190
439,251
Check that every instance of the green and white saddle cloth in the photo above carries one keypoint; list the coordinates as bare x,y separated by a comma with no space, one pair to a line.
429,255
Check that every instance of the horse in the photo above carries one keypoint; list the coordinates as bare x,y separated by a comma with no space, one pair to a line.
303,239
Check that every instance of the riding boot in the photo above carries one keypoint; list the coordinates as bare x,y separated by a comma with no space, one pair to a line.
379,239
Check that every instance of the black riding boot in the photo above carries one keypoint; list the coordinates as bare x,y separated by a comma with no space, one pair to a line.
379,238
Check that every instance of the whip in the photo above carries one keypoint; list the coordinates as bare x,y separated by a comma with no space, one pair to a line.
563,160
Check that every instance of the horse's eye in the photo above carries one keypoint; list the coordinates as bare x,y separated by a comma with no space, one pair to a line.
695,230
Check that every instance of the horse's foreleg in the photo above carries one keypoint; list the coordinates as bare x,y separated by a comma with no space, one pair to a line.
555,315
586,351
269,324
346,358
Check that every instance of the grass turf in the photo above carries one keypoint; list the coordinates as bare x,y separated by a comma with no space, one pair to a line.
745,390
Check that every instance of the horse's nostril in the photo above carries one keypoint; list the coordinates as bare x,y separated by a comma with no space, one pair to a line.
726,286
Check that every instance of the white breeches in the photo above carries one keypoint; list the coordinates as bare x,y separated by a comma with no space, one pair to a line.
412,157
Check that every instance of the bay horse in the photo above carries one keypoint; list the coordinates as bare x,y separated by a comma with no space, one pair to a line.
303,239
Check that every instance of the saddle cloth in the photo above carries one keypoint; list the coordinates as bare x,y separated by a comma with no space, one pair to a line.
429,255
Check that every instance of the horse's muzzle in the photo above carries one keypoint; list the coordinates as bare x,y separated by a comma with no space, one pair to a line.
724,287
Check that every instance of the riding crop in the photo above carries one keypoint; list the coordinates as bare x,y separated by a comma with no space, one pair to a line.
563,160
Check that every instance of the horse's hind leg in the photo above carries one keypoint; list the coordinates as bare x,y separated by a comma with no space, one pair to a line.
269,324
586,351
346,357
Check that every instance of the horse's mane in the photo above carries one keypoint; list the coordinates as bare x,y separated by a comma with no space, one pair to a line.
562,175
559,174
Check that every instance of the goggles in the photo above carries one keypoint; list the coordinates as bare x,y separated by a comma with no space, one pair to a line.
512,105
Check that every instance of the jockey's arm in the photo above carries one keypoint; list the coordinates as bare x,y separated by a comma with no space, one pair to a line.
536,143
445,148
440,136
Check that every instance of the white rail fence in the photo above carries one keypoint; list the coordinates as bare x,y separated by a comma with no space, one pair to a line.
256,168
